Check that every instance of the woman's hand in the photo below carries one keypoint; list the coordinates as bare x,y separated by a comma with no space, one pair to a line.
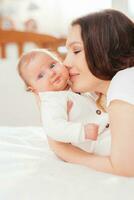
69,106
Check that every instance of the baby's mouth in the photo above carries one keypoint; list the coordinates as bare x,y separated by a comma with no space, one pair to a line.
57,79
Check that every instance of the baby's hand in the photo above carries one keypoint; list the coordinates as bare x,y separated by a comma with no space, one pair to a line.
69,106
91,131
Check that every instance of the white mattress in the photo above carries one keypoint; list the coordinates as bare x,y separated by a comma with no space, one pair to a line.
30,171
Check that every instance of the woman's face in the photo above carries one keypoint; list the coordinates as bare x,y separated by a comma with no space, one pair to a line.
81,77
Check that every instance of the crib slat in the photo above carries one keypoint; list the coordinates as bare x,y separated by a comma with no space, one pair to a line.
3,50
21,38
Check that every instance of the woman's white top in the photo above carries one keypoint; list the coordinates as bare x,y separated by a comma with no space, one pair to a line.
122,87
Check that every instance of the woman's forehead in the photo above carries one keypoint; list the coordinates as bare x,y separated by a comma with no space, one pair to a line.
74,35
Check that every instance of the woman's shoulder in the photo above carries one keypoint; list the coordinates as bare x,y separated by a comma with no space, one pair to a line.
124,74
122,86
123,78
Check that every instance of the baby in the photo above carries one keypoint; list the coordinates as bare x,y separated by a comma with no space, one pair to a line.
45,75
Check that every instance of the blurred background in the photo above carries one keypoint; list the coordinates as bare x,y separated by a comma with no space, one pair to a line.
53,16
36,18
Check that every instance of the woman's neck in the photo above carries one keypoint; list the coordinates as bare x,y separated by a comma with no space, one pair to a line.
103,87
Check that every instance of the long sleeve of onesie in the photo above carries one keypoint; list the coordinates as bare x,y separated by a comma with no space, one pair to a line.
55,119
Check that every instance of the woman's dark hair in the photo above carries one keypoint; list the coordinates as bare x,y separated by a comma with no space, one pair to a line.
108,38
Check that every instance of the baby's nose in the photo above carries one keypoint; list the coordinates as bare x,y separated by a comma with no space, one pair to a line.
51,73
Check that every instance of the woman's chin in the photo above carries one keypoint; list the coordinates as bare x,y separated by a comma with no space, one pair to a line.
76,89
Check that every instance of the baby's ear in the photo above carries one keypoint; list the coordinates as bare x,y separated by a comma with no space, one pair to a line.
29,89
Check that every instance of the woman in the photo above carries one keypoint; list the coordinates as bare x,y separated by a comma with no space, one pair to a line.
100,59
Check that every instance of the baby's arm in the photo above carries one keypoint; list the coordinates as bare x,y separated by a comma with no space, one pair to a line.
55,120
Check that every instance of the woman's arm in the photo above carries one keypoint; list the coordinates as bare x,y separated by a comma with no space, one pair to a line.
122,128
66,151
121,160
72,154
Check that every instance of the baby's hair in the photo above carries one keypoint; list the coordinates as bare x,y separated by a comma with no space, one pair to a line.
26,59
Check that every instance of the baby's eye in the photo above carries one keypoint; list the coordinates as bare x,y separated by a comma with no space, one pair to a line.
52,65
40,75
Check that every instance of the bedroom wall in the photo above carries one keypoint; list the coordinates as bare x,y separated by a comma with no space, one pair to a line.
17,107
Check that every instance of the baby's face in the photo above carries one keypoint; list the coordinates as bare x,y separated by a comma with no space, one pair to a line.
46,73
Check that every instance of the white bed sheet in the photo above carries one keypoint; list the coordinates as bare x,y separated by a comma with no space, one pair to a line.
30,171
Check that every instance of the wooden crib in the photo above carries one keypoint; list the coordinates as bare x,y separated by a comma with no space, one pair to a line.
21,38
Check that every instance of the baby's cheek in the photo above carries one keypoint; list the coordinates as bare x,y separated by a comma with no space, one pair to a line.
66,73
46,86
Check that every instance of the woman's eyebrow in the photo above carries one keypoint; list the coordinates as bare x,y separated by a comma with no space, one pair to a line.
73,43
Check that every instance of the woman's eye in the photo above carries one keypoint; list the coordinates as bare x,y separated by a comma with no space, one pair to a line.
40,75
78,51
52,65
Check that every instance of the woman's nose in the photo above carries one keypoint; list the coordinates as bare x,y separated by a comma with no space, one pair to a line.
67,63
